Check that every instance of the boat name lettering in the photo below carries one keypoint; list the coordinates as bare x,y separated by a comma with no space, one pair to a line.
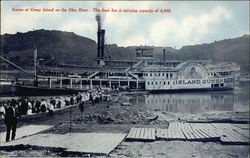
205,81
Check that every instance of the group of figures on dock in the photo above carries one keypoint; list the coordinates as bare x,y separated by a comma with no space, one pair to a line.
12,110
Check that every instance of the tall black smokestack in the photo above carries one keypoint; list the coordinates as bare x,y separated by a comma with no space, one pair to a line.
100,38
98,19
102,44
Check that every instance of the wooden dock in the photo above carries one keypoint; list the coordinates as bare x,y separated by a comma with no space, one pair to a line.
141,134
104,143
97,143
225,133
89,143
231,134
25,131
172,133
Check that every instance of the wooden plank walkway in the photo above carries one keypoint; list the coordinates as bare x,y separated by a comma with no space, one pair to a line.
185,131
98,143
243,126
25,131
141,134
206,130
221,132
172,133
231,134
92,143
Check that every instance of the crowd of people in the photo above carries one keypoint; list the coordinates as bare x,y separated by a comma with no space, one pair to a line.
28,106
11,110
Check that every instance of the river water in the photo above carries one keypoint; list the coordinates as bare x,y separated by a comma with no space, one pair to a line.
191,102
197,102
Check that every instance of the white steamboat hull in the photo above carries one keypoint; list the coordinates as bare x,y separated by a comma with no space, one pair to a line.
191,84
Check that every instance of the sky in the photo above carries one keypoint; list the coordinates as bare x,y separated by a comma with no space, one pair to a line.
187,23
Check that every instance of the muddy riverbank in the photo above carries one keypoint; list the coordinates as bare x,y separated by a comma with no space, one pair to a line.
117,117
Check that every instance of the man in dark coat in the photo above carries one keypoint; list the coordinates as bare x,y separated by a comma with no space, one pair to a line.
92,99
81,106
11,115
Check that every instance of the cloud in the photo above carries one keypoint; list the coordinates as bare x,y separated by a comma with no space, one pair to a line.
135,40
123,20
188,23
79,27
12,22
188,30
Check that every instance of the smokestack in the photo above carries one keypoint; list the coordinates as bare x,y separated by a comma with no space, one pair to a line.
102,44
98,44
99,34
100,38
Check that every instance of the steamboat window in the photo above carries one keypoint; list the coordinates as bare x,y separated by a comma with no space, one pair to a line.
167,75
162,74
168,82
222,84
150,74
152,83
148,83
171,75
164,82
156,83
160,83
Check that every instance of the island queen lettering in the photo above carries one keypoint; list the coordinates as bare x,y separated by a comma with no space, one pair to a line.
202,81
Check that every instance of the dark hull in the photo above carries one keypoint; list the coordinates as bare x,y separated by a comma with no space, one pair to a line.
7,90
190,90
31,90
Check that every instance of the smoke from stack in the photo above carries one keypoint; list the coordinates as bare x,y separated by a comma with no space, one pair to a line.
99,16
99,23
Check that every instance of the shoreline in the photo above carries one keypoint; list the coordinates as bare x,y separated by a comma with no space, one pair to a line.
113,117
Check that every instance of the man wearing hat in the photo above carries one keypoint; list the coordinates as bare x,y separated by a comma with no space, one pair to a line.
11,113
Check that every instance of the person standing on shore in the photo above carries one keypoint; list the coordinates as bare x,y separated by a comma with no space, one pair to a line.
2,110
91,98
50,108
81,107
11,116
43,105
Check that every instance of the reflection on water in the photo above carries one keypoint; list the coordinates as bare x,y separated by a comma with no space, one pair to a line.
234,100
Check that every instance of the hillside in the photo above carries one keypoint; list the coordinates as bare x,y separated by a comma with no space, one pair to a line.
232,50
56,47
53,47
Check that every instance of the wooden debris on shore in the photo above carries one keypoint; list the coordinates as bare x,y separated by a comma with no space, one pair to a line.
141,134
173,132
26,131
89,143
225,133
232,134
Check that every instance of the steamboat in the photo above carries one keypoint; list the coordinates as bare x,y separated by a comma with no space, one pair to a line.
143,73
